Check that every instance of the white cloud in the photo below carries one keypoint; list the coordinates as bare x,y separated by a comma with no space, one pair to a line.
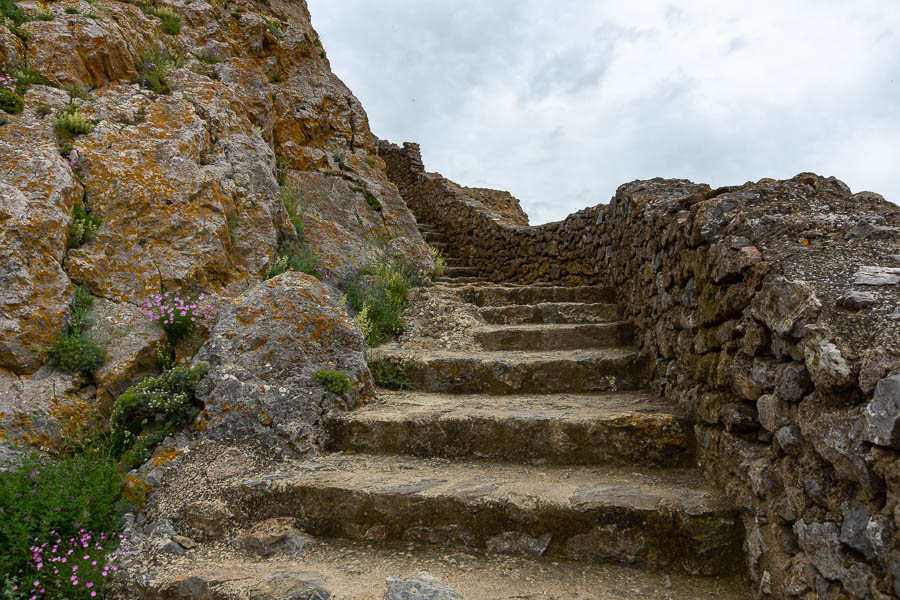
560,102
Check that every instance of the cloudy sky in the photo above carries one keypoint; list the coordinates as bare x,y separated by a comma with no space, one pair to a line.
560,101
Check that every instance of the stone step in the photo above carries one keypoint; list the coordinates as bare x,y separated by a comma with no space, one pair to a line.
552,312
444,247
661,520
554,336
460,280
615,428
434,236
360,571
454,261
496,295
454,272
514,372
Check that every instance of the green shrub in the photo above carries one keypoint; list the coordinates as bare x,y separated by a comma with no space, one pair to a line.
236,15
71,123
10,101
378,295
373,202
155,408
388,375
155,65
294,207
281,167
293,256
76,351
439,264
83,228
171,21
10,11
209,58
334,381
26,77
73,493
71,10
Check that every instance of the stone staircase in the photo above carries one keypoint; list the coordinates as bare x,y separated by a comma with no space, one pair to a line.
536,467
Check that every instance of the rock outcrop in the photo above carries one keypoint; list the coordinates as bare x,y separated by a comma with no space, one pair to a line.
194,140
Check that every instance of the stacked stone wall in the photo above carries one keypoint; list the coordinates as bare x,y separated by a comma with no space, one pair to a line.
771,312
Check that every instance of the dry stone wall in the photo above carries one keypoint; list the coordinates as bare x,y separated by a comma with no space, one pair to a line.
771,312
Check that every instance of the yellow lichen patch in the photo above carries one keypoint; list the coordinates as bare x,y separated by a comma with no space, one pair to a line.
136,490
65,427
164,456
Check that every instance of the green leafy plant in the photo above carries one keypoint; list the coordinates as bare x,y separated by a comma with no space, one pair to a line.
236,15
146,413
294,256
76,351
10,12
68,496
10,101
377,295
281,167
294,207
71,123
439,264
178,315
171,21
373,202
334,381
71,10
388,375
26,77
278,77
209,58
156,63
83,228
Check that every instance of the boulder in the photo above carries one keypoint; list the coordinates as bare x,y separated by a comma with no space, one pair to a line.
260,382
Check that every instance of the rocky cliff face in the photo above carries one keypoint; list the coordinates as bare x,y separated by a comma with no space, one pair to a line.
195,113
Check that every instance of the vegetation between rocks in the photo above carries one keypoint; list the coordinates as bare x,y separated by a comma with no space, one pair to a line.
377,295
76,351
171,21
387,374
10,101
156,63
334,381
146,413
439,264
84,226
56,524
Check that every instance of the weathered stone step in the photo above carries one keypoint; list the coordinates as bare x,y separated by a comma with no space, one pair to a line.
360,570
454,261
513,372
454,272
433,237
456,279
613,428
444,247
552,312
662,520
495,295
542,336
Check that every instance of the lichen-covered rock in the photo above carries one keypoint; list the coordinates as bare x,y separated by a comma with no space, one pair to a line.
882,414
37,193
12,51
90,51
262,354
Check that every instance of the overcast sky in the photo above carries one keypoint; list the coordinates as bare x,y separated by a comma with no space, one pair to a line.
561,101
